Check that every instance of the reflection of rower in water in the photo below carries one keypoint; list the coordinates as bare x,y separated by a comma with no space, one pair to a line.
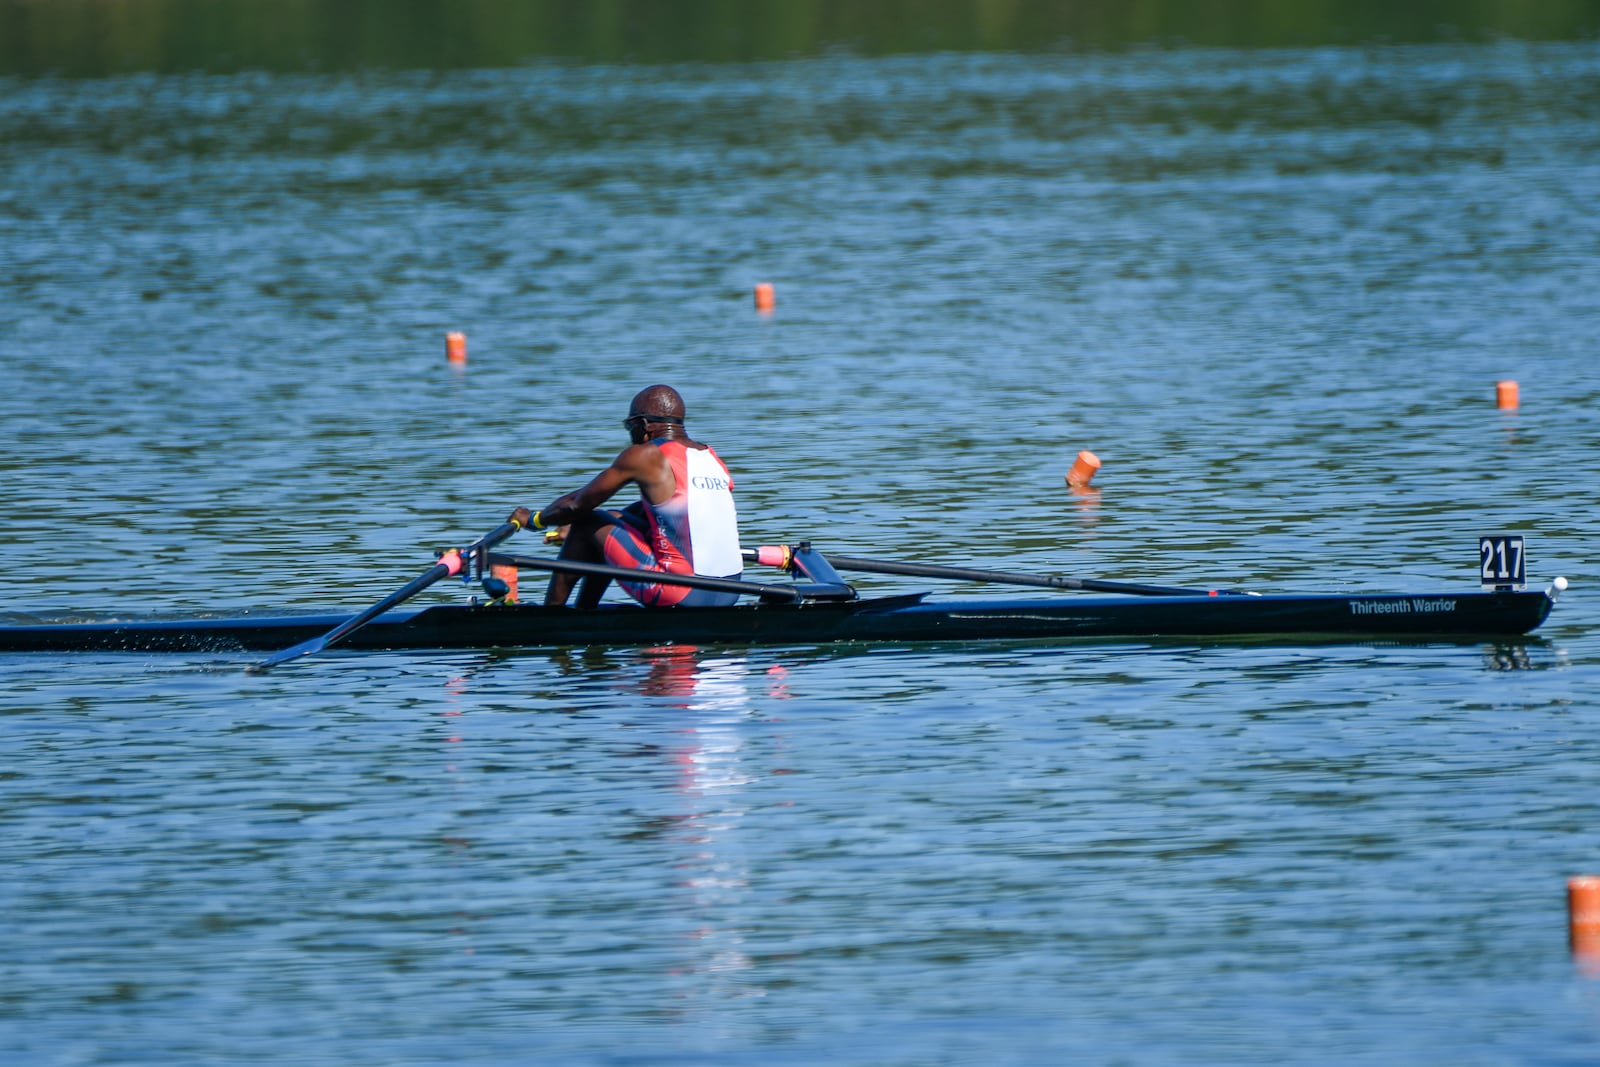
683,523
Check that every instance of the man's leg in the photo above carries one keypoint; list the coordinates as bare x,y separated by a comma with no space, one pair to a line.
582,544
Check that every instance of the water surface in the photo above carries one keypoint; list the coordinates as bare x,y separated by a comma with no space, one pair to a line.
1272,289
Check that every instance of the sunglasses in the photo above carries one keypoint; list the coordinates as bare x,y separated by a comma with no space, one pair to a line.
628,423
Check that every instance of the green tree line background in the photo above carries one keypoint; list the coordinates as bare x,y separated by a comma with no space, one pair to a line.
98,37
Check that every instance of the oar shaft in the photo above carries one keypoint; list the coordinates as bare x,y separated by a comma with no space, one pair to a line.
449,563
406,592
630,574
970,574
443,569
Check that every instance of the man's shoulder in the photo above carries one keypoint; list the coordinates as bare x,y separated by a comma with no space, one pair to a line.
686,443
635,457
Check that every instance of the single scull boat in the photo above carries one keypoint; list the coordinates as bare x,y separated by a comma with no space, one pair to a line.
819,608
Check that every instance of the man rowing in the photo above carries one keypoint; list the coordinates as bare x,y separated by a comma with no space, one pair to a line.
683,523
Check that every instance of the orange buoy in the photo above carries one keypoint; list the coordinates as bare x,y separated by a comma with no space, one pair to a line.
455,346
1583,915
1083,468
1505,395
766,299
506,572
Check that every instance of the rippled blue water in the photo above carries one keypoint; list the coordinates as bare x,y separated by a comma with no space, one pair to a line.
1272,290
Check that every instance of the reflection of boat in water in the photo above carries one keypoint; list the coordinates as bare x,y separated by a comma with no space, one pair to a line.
696,827
701,680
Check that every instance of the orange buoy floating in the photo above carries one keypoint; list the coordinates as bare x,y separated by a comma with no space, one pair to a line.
1083,468
506,572
1505,395
455,346
1583,915
766,299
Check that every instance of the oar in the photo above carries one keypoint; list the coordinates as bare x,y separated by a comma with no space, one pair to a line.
775,554
449,563
792,593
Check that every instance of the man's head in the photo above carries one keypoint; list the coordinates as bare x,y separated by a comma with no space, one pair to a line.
658,405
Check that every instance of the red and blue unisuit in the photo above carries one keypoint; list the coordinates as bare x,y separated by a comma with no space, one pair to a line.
695,531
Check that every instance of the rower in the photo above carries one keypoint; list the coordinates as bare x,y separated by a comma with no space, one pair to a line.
684,522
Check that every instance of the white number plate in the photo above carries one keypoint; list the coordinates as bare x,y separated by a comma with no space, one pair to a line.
1502,561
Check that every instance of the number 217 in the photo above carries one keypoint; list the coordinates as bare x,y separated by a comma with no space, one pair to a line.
1501,558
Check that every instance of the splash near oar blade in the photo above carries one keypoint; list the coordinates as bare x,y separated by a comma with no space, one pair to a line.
450,562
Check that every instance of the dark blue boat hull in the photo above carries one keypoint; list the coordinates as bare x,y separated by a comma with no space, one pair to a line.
888,619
